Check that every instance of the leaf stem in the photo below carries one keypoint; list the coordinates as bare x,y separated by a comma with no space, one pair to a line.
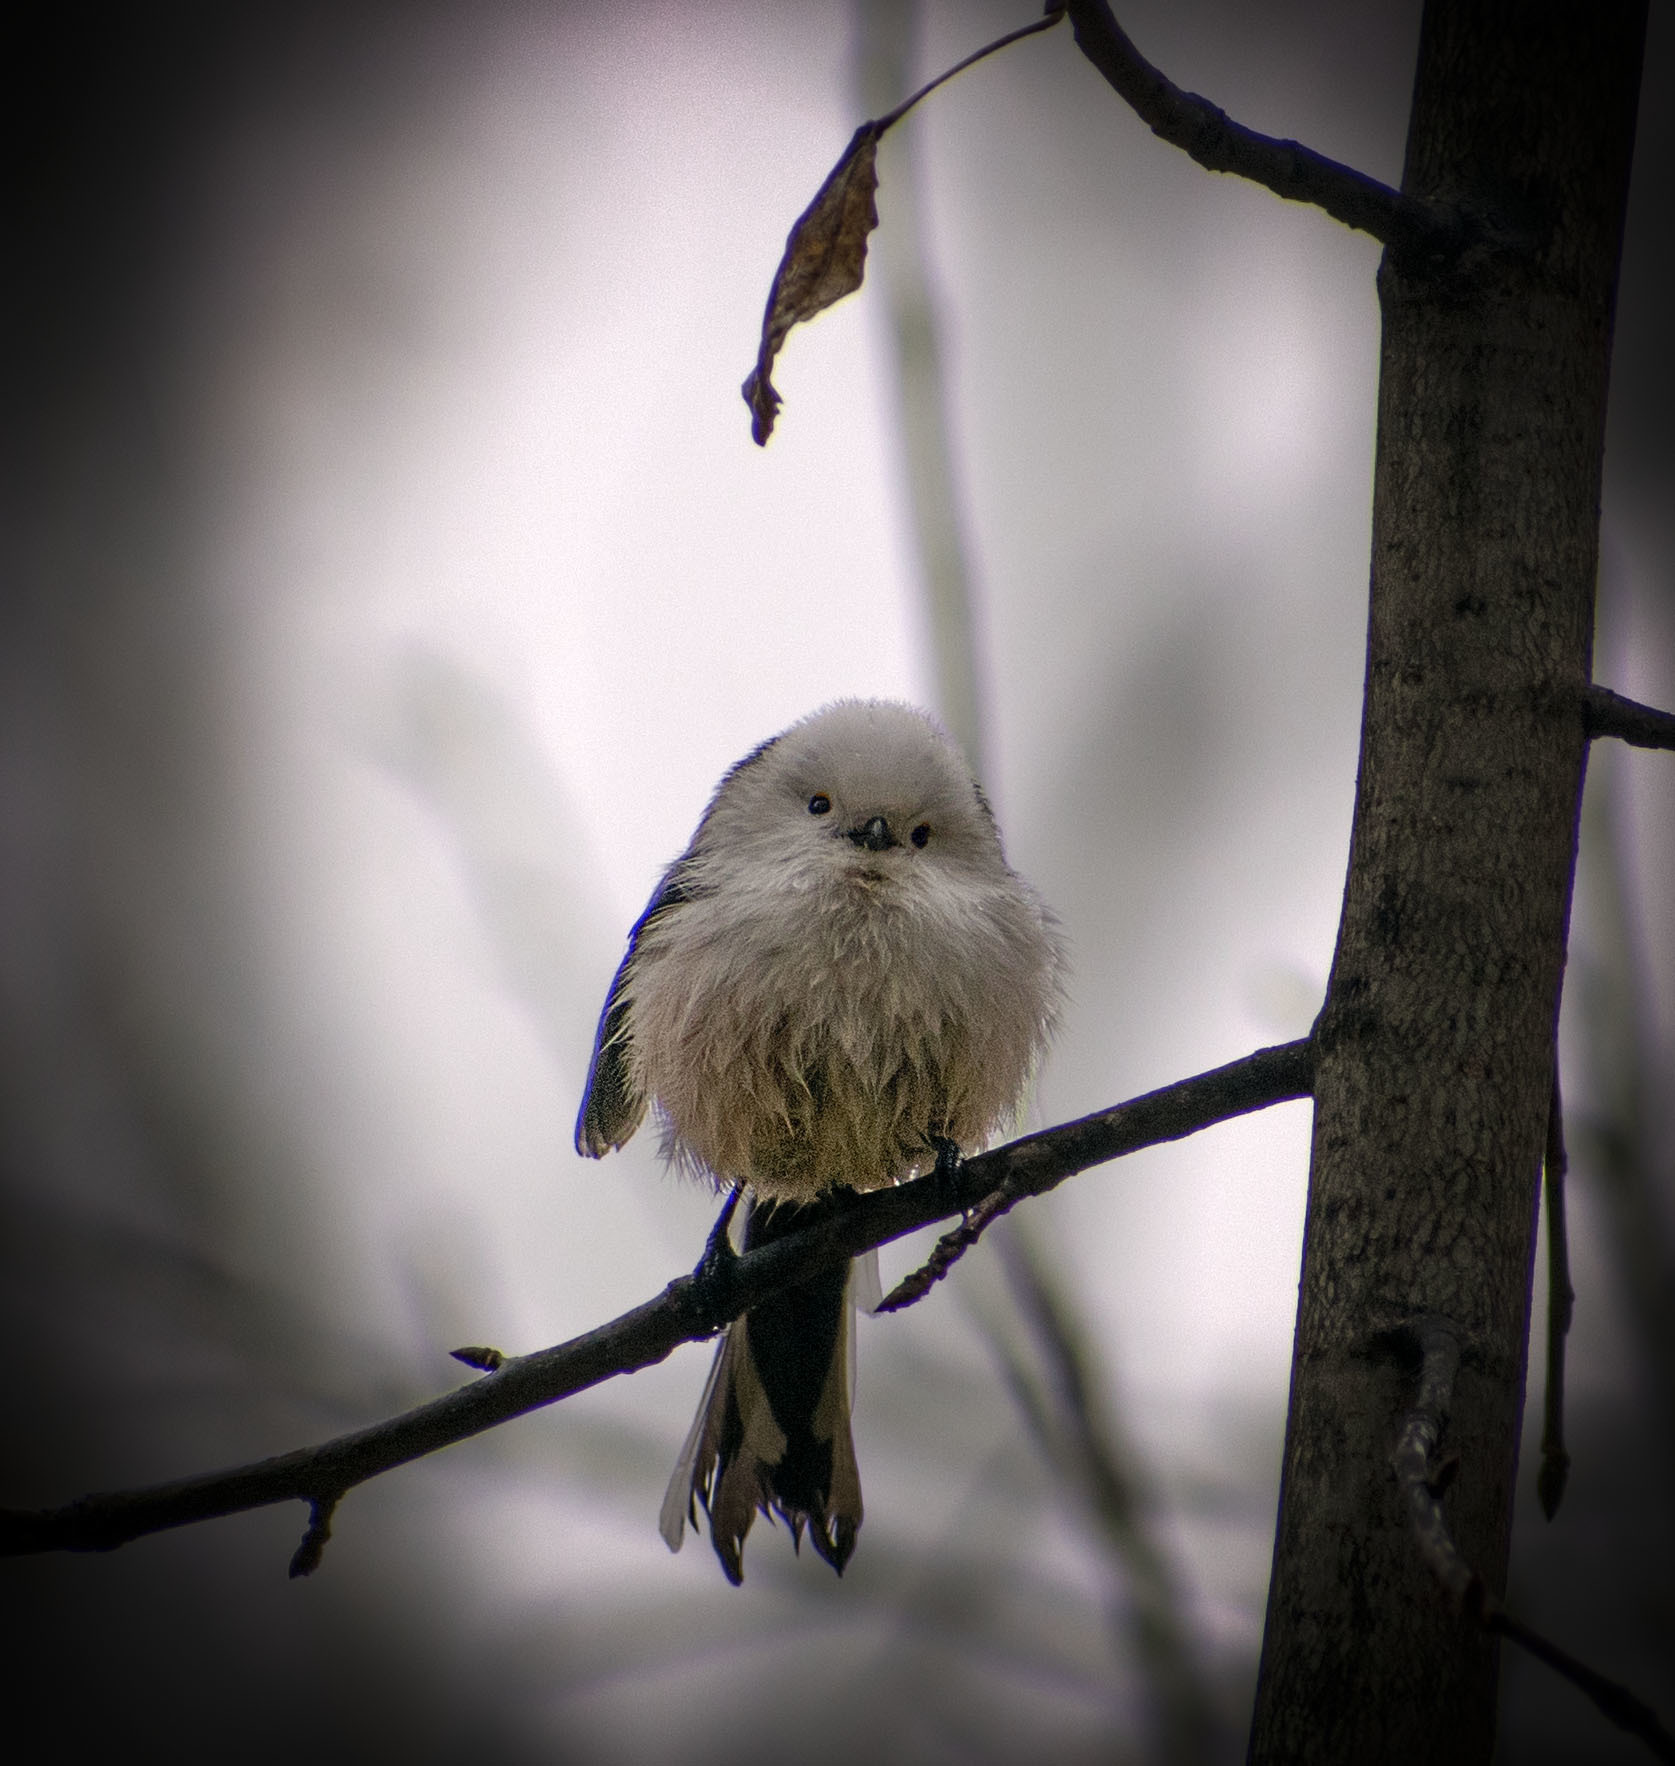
890,118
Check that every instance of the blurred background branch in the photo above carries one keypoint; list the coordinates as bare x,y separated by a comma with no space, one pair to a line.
1099,1470
388,576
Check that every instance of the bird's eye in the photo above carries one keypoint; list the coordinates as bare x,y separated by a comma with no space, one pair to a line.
819,804
921,835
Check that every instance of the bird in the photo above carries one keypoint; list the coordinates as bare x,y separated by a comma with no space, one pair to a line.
838,984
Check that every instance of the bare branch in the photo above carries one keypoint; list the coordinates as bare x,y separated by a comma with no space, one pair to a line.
1416,1465
1610,1698
1050,17
1289,169
691,1308
305,1560
948,1250
1270,1076
1561,1302
1422,1477
1605,713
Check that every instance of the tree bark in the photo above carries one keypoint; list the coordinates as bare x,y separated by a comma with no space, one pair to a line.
1436,1043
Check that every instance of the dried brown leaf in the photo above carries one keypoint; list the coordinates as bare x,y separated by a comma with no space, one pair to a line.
826,253
825,259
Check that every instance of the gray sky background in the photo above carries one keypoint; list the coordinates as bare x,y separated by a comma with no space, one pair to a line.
395,576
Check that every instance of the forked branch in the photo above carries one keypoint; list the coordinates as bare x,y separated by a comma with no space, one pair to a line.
1207,134
1423,1474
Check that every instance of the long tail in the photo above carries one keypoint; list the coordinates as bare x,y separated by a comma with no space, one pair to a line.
772,1430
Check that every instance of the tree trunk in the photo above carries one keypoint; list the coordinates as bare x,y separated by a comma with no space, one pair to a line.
1436,1042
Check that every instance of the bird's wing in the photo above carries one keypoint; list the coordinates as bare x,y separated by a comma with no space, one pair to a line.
613,1105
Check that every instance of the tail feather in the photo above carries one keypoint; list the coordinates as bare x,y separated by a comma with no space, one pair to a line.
772,1432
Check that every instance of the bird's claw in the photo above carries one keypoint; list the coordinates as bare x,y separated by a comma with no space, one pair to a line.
714,1274
948,1159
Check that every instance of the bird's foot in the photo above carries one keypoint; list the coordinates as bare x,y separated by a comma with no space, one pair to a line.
948,1160
712,1279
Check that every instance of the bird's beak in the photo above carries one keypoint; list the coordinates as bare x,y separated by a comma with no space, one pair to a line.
873,834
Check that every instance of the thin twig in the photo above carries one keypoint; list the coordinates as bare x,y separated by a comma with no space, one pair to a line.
1605,713
305,1560
1422,1477
1052,16
947,1251
690,1309
1287,168
1561,1302
1613,1700
1268,1077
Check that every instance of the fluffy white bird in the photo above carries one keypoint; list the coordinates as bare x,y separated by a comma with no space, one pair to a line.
840,980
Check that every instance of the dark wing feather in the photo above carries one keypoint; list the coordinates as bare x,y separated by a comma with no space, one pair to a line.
613,1106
